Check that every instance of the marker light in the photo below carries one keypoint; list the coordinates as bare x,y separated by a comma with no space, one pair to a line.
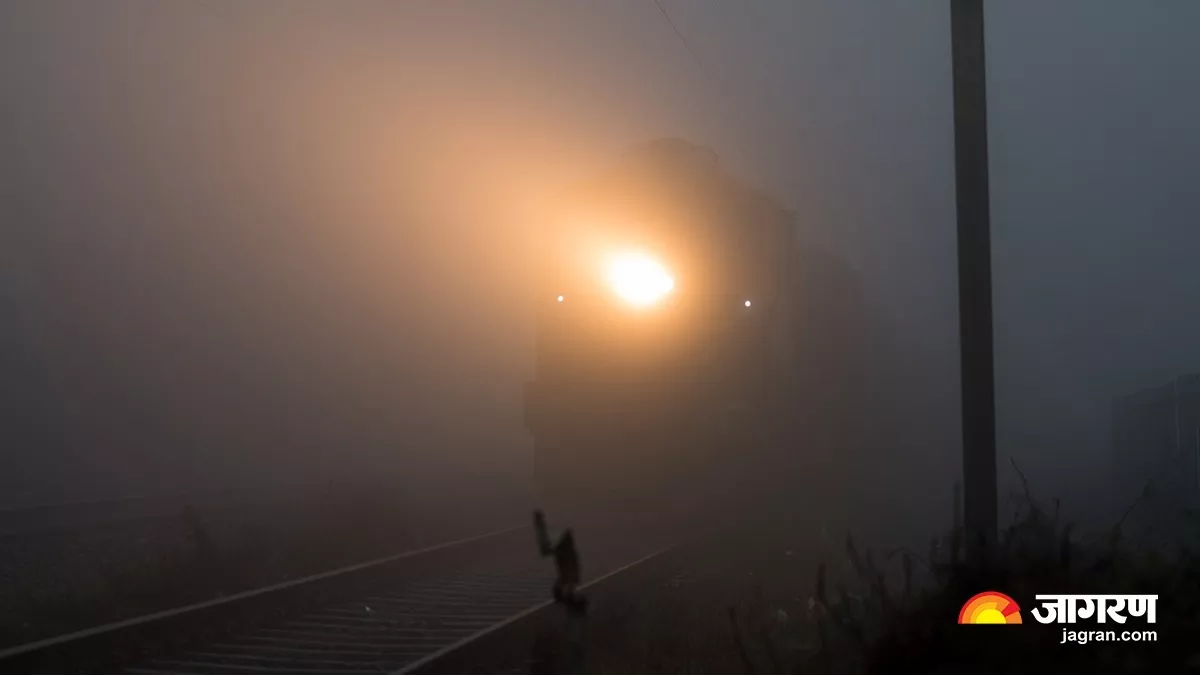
747,303
560,298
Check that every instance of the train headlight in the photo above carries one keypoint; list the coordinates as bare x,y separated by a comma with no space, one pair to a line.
638,279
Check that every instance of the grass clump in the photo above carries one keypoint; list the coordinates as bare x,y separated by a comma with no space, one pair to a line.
898,612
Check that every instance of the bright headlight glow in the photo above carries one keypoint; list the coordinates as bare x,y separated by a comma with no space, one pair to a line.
638,279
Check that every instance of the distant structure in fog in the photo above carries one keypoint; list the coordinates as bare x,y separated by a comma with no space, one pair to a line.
1156,436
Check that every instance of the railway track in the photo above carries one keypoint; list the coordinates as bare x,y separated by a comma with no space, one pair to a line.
392,615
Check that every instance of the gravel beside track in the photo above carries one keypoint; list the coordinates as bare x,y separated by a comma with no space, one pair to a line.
671,615
384,617
406,620
62,579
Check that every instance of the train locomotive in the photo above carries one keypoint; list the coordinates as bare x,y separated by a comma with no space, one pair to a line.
690,350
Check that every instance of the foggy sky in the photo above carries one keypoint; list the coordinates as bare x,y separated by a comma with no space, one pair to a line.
275,238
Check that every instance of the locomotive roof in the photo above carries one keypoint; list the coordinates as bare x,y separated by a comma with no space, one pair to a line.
649,165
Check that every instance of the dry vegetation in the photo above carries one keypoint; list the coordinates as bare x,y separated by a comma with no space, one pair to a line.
879,627
896,612
767,605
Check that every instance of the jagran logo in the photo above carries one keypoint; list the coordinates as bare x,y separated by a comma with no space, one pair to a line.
990,607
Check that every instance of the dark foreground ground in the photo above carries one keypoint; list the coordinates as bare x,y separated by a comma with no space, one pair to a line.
67,579
731,605
750,600
749,604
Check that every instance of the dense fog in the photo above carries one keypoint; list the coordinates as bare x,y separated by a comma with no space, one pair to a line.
273,242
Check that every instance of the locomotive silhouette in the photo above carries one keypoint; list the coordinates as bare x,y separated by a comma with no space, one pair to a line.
690,348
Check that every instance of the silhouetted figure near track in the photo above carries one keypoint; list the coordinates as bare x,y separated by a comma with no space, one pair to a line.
566,562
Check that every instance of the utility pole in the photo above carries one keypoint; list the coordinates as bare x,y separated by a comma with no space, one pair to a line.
974,278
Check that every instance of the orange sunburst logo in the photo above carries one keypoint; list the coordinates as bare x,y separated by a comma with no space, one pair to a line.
990,607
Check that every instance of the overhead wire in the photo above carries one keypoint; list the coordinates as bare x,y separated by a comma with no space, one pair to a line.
679,34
